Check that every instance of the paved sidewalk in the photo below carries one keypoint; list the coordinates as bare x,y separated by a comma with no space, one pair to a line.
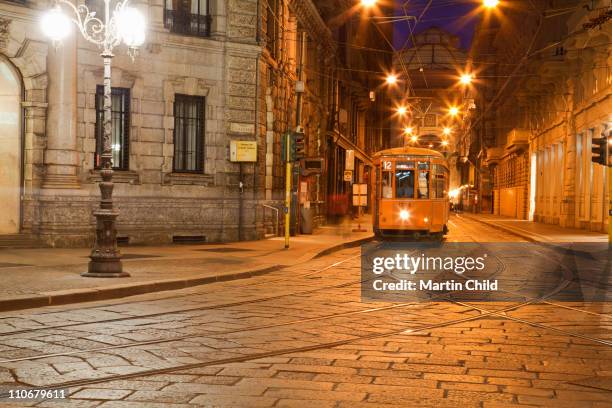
41,277
535,231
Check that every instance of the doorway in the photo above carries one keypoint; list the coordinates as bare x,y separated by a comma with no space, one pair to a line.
10,148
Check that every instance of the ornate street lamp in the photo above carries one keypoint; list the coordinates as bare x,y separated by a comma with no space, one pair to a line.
125,24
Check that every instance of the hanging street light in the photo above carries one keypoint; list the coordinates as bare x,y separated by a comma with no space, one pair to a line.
490,3
124,25
391,79
466,79
368,3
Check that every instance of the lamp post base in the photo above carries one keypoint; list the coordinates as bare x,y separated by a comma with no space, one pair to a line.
105,256
105,268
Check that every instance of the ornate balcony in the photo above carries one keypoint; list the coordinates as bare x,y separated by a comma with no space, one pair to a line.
517,139
494,155
183,22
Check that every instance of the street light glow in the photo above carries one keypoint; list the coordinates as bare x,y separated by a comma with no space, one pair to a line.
466,79
490,3
55,24
447,131
401,110
453,111
131,27
445,143
414,139
408,130
368,3
391,79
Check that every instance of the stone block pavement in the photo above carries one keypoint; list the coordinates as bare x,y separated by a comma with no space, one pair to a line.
51,276
303,337
536,231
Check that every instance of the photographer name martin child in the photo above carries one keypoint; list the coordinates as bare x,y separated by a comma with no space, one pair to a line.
429,285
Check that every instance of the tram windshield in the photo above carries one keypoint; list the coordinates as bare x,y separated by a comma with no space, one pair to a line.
414,180
404,180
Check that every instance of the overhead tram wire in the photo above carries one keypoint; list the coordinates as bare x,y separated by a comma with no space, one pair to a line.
528,56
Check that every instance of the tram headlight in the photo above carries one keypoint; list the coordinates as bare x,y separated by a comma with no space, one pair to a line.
404,215
426,220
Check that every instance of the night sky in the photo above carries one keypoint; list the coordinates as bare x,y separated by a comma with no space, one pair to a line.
455,16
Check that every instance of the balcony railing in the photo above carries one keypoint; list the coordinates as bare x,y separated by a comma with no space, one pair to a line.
182,22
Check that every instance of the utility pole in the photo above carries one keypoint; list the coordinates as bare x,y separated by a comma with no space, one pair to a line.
288,176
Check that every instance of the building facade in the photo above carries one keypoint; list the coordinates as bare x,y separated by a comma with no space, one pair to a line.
358,120
211,71
538,119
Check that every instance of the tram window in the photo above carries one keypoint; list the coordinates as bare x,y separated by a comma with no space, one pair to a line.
423,166
439,185
423,188
404,184
387,184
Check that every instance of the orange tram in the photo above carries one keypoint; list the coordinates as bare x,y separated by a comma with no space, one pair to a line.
410,187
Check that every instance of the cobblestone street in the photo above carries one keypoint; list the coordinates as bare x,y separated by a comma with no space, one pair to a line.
301,336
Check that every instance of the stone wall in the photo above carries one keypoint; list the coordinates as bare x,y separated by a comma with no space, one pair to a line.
155,204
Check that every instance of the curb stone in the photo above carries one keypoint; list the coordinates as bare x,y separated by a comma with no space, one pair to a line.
65,297
504,228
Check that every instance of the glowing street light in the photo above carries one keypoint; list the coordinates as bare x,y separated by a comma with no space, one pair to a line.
408,130
368,3
447,131
119,24
466,79
445,143
55,24
391,79
490,3
453,111
401,110
414,139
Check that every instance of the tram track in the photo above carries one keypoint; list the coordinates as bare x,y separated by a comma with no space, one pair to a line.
208,307
433,297
197,308
280,268
255,356
483,313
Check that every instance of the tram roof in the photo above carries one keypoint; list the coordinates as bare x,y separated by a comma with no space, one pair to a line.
409,151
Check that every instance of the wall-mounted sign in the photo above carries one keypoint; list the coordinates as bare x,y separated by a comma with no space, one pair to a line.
360,195
243,151
350,160
245,128
348,175
312,166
